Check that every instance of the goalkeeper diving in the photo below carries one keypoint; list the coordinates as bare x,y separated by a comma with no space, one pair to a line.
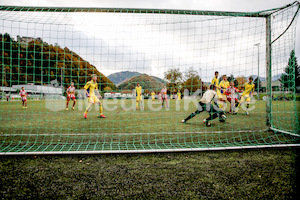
205,104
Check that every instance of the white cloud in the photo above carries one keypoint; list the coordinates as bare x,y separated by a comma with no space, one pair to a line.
154,44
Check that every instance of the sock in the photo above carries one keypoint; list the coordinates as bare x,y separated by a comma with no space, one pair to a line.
101,110
137,104
74,103
67,104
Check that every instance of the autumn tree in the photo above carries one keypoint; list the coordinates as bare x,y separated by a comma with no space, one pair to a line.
192,80
241,80
173,78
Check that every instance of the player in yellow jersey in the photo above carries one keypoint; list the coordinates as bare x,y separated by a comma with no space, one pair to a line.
224,84
215,83
91,87
138,91
153,96
248,93
178,95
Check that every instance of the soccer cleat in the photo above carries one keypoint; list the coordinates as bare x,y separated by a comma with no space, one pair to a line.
247,113
207,123
229,112
85,115
102,116
67,108
183,121
223,117
73,108
25,107
234,113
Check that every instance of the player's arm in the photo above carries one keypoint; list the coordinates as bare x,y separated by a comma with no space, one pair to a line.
86,87
99,95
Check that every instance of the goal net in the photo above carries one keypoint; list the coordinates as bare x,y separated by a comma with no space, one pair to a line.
151,68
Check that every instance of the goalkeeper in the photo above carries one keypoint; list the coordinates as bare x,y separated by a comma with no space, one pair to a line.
205,104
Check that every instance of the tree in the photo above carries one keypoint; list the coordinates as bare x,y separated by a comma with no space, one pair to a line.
231,78
256,83
192,80
241,82
290,80
173,76
107,89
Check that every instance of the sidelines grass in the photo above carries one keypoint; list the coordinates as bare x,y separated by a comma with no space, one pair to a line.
256,174
46,126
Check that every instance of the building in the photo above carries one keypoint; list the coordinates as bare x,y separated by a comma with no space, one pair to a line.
40,89
276,85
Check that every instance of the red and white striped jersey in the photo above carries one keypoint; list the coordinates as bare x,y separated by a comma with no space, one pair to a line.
71,90
232,92
164,92
23,93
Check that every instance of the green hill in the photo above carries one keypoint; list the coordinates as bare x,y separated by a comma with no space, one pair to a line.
119,77
147,82
39,63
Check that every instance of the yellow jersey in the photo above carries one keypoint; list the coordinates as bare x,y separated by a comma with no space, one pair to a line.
178,95
249,87
224,85
152,94
138,91
91,86
215,81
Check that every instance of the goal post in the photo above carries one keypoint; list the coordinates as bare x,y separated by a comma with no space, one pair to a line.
172,54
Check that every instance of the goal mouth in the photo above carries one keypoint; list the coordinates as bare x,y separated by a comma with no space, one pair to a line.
125,80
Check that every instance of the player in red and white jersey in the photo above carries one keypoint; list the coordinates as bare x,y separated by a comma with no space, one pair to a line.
23,95
71,95
232,96
164,96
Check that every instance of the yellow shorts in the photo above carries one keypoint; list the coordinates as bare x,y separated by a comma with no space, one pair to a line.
219,95
138,98
153,98
246,98
93,99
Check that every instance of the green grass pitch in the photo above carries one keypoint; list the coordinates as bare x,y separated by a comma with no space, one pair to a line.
47,126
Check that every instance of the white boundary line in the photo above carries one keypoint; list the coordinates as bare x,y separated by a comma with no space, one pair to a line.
148,151
97,134
286,132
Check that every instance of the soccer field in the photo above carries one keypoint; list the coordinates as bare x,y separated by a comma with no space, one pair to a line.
47,126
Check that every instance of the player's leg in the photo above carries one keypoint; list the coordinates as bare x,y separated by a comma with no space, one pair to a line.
247,105
25,103
240,104
91,102
137,102
141,104
201,108
74,102
101,110
232,105
167,102
213,114
67,104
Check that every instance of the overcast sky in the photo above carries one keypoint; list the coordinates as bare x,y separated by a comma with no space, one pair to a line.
152,62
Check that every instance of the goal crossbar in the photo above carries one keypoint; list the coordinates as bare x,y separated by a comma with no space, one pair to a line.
263,13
